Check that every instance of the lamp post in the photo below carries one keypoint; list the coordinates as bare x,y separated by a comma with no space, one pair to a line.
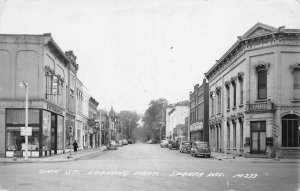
25,85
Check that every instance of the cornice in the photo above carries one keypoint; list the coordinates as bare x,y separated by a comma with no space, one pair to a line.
279,38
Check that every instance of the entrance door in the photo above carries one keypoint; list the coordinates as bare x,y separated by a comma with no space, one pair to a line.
258,137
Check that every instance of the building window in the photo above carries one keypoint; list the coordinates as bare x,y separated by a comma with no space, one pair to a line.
212,106
228,97
218,92
234,94
15,119
296,74
228,135
261,81
212,98
241,92
234,133
241,133
291,131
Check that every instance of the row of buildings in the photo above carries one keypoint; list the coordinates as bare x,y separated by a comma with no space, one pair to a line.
249,103
61,109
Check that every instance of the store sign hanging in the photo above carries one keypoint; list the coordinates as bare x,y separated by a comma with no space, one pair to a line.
55,85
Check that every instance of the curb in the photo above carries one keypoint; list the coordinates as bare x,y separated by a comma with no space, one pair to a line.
252,161
65,159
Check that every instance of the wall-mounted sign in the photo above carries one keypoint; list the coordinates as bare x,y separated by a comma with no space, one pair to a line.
196,126
269,141
26,131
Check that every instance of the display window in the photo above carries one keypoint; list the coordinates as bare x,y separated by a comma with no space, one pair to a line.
16,142
46,131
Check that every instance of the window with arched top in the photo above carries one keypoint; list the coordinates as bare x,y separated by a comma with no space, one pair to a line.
261,71
290,130
296,87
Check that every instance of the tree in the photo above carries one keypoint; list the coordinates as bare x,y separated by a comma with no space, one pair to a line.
129,124
154,119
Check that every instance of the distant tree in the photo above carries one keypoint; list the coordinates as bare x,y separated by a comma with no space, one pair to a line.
129,124
154,118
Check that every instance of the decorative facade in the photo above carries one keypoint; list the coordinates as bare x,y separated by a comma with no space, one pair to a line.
255,95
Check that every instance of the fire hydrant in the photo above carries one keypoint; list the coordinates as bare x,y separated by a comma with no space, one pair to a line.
14,156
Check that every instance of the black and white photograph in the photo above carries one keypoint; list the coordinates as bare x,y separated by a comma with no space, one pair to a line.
150,95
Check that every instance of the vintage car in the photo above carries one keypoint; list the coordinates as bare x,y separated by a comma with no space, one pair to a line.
174,145
120,143
200,148
185,147
112,145
164,144
125,142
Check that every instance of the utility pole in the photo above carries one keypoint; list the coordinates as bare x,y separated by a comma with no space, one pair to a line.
25,85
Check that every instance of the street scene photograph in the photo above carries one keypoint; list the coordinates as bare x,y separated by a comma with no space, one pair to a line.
150,95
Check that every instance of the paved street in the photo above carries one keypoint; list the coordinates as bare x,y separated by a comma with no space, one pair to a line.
148,167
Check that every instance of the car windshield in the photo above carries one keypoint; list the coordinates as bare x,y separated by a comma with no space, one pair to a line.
202,144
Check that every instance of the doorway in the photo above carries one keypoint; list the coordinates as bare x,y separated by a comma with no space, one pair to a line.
258,137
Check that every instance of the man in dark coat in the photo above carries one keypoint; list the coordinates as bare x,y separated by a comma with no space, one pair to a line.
75,146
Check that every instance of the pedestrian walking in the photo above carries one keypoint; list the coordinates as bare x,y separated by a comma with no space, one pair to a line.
75,146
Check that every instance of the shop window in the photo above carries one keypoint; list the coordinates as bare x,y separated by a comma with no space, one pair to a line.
291,131
60,126
16,142
46,131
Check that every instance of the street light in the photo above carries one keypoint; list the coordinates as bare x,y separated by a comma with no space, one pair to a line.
25,85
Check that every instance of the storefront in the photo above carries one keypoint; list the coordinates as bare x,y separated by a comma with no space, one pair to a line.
196,131
47,133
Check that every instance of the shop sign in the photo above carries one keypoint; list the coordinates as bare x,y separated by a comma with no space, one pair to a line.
269,141
247,141
26,131
55,85
54,108
196,126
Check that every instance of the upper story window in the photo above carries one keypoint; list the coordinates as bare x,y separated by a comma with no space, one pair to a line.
218,92
227,94
233,82
261,70
241,82
296,74
212,98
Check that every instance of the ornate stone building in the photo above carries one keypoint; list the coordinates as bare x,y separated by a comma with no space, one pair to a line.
255,94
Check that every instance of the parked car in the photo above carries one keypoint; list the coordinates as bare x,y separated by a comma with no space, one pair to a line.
185,146
129,141
164,144
200,148
112,145
125,142
120,143
174,145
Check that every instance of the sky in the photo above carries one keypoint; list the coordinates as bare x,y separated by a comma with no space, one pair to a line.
133,51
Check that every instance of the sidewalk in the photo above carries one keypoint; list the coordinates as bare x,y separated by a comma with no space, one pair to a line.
57,158
232,158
